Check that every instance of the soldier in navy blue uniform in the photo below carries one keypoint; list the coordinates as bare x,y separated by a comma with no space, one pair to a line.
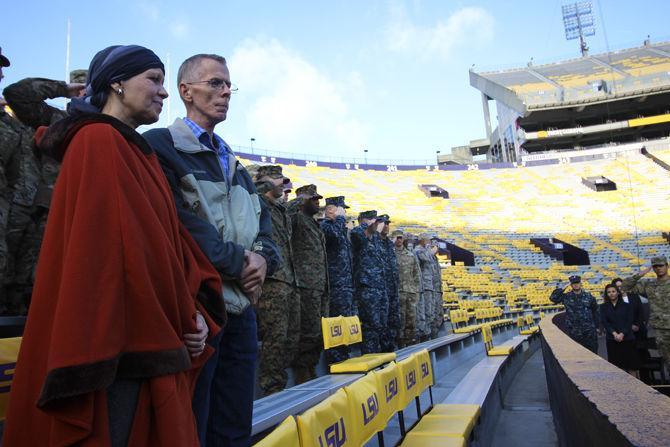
581,313
392,280
340,267
370,288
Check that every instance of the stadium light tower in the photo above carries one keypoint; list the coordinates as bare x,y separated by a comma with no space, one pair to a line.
251,140
579,23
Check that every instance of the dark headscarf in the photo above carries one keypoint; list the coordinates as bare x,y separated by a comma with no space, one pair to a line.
113,64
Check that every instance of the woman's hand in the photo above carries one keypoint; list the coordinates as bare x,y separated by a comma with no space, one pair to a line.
195,343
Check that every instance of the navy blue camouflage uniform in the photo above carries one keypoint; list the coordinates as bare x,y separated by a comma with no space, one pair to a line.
340,274
392,280
370,288
581,316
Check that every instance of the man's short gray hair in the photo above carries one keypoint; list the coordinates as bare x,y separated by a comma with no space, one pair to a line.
189,65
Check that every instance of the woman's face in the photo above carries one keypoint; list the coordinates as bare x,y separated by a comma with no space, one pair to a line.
612,293
143,96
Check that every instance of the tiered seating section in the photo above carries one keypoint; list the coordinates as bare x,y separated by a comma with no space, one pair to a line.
495,212
627,71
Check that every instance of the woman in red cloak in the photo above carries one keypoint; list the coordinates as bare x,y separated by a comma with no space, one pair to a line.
123,299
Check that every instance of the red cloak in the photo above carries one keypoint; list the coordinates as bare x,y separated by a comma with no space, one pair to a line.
118,283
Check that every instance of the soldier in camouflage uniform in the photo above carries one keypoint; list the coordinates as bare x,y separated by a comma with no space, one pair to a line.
370,288
426,301
392,279
279,304
340,267
438,310
409,274
309,255
581,313
657,292
33,177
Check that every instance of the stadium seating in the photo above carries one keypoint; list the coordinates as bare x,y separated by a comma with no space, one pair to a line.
344,331
9,351
487,336
285,434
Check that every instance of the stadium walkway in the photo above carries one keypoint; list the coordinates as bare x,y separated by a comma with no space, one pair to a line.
526,419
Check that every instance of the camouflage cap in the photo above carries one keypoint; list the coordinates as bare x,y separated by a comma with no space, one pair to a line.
397,233
252,170
308,191
575,279
4,62
263,186
78,76
370,214
659,260
272,171
336,201
425,236
288,186
385,218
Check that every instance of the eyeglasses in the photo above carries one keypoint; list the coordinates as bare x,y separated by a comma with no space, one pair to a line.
216,84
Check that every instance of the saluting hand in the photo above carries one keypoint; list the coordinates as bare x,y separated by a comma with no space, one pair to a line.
75,90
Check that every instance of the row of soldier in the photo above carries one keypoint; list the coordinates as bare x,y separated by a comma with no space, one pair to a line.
331,267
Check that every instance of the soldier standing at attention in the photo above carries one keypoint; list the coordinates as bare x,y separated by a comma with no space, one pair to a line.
340,267
370,289
309,254
410,283
393,324
438,310
423,253
34,183
657,292
279,304
581,313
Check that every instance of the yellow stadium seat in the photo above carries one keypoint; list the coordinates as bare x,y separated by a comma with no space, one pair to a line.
333,331
353,332
409,386
9,351
364,363
444,426
338,331
328,423
425,369
364,396
463,410
285,434
422,440
488,343
389,380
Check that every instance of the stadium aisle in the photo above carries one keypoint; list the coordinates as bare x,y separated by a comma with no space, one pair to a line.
526,419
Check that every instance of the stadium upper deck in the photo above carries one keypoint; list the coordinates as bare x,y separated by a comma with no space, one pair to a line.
613,98
604,77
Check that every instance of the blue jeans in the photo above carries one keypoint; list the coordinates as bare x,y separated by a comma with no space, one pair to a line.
224,394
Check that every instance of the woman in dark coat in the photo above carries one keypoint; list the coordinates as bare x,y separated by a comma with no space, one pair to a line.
617,319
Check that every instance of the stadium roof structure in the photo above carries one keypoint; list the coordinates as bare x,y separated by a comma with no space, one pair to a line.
628,73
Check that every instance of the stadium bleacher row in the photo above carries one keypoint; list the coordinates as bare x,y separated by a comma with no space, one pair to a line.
495,212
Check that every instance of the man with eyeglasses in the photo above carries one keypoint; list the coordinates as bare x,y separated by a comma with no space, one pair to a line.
657,292
217,202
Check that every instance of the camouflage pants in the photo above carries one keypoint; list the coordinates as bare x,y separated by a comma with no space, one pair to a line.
663,343
421,316
438,314
408,306
313,305
393,325
373,312
341,303
429,312
278,320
